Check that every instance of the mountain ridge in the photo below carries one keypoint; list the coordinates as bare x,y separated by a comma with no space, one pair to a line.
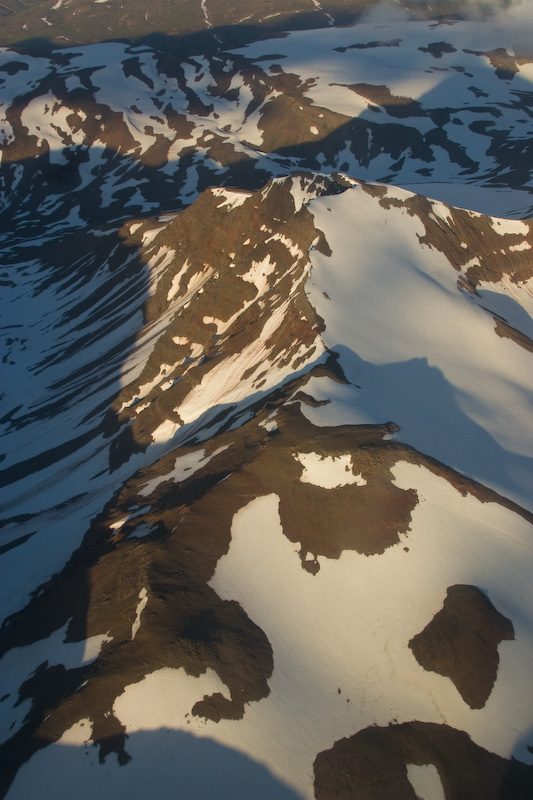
256,414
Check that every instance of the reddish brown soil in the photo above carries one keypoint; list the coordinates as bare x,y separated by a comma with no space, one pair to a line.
461,642
371,765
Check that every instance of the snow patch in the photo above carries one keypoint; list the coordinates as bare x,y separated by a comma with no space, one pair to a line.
165,431
426,782
184,466
166,694
515,248
231,199
510,226
269,424
119,524
328,471
141,605
259,272
176,280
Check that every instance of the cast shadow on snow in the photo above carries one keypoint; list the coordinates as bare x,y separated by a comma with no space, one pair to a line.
508,309
41,180
413,386
398,134
46,612
424,404
180,764
390,129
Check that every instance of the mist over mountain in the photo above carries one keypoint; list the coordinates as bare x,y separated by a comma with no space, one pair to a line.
266,400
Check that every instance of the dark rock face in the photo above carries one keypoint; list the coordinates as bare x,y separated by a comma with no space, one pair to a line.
461,642
372,766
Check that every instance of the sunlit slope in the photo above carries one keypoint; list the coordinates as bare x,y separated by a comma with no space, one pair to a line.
260,476
430,310
265,416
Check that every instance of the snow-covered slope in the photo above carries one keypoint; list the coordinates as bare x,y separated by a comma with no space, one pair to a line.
267,431
419,351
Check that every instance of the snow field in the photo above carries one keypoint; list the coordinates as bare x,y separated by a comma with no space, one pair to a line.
421,354
425,356
349,630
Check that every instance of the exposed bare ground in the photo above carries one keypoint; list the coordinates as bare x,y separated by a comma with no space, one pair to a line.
372,766
461,642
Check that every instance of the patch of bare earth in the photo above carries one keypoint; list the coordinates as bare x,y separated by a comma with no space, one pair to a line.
505,65
290,120
372,765
461,643
395,105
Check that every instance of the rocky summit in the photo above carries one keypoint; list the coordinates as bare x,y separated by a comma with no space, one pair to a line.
266,395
